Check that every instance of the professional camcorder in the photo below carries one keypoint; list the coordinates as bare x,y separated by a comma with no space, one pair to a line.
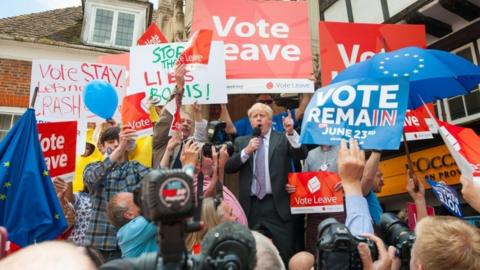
397,234
167,198
337,247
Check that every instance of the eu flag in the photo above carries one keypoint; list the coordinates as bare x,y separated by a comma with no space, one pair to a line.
29,207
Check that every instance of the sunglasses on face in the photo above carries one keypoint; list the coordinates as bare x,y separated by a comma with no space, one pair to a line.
267,101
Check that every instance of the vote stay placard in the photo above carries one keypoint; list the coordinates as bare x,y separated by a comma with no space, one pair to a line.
371,111
60,87
58,142
315,193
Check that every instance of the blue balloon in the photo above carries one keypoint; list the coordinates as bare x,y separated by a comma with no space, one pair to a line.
100,98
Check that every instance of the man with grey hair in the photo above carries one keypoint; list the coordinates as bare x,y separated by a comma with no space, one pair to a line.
135,234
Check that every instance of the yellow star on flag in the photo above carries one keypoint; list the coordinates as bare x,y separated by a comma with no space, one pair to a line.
57,216
6,164
45,173
7,184
3,197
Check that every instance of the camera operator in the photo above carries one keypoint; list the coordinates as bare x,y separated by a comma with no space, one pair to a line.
135,234
211,165
386,259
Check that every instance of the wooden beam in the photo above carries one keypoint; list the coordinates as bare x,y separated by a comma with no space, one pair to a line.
433,26
465,9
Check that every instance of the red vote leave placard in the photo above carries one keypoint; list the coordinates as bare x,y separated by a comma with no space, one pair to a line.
58,142
315,193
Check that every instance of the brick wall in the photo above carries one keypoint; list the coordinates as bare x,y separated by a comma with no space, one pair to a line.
14,82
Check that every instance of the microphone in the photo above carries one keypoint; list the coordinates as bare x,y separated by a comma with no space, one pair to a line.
233,244
257,131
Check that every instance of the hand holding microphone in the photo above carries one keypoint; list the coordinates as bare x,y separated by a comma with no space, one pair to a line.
254,142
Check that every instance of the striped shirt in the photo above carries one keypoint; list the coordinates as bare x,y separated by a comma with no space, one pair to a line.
105,179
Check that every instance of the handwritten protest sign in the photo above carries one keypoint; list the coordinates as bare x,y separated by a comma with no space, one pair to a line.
267,50
152,72
315,193
58,142
369,110
61,83
447,196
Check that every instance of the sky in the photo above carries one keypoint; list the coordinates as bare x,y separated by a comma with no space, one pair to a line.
20,7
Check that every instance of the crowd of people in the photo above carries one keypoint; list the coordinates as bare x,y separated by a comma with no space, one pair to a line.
107,222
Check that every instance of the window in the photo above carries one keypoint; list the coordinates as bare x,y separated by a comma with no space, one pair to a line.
113,28
103,26
395,6
370,12
461,109
337,12
8,117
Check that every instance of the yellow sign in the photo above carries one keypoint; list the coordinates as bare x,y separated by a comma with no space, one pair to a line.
435,163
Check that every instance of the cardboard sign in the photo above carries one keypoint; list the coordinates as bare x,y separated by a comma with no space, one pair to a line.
447,196
464,145
412,214
198,50
267,50
369,110
135,113
344,44
152,35
152,72
415,126
58,142
315,193
61,83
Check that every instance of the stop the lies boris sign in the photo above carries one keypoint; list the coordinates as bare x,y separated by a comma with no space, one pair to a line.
58,143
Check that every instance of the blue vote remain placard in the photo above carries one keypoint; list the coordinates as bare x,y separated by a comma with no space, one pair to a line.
447,196
371,111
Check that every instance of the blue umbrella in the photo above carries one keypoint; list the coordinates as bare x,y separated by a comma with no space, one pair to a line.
432,74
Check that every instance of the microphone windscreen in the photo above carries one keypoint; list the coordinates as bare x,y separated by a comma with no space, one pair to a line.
231,238
257,132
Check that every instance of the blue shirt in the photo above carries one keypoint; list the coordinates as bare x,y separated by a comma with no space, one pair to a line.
244,127
137,237
358,218
374,206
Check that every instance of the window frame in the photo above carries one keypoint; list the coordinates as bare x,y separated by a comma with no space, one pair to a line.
136,26
444,102
12,111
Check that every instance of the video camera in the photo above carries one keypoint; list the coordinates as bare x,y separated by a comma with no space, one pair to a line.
217,137
337,247
398,235
167,198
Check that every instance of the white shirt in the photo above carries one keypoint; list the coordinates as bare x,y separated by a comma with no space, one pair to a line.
294,142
